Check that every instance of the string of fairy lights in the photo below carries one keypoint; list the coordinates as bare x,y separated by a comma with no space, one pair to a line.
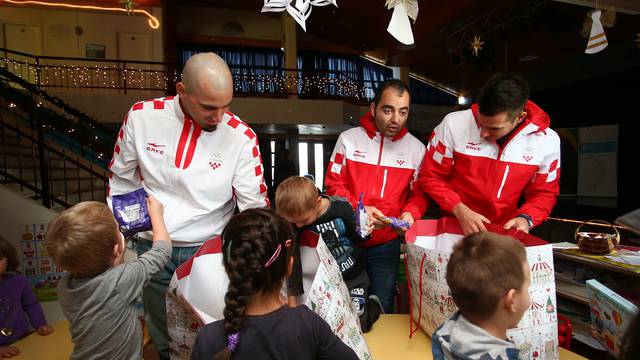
117,77
57,117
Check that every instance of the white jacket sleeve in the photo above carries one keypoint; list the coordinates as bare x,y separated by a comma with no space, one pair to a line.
248,183
125,174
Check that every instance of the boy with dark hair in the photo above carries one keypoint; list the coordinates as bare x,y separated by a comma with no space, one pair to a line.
489,278
298,201
99,295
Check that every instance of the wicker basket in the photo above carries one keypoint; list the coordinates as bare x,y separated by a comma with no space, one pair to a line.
597,243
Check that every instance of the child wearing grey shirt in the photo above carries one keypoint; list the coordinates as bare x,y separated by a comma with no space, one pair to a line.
99,295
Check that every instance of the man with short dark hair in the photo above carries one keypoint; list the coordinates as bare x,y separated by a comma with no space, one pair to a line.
381,160
481,161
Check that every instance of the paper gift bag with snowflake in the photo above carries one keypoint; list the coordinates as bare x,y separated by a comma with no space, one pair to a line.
429,246
327,294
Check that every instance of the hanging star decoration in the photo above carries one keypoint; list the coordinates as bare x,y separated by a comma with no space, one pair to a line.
129,5
300,11
638,40
476,45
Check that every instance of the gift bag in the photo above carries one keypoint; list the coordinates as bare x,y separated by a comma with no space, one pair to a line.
328,295
429,245
196,296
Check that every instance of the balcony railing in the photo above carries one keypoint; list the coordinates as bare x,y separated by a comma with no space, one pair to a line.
123,76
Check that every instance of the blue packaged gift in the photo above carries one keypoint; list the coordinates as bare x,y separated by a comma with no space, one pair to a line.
131,213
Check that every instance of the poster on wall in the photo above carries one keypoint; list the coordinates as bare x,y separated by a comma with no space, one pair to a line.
95,51
597,166
37,265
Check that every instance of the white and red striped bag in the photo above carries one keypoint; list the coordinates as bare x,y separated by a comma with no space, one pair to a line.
429,246
196,295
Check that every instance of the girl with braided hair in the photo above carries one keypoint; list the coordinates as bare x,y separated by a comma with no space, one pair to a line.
258,324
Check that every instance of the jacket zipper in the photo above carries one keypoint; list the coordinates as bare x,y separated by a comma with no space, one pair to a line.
384,184
378,165
504,180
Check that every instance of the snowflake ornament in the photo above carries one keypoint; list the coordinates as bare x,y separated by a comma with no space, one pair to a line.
300,11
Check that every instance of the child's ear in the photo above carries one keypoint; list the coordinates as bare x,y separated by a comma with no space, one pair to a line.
118,249
510,301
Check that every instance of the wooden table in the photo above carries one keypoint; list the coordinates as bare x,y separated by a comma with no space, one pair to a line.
55,346
389,339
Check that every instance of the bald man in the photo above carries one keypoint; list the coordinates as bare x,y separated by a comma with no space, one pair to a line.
198,159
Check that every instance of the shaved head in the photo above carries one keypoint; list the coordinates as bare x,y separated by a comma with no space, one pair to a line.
204,70
206,90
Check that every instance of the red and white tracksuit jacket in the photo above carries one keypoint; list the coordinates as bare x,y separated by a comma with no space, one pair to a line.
199,176
460,166
384,169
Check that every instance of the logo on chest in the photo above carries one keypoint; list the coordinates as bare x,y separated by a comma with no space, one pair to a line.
473,146
400,162
215,160
359,154
155,148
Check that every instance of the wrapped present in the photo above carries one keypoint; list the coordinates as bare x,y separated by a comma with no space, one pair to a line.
429,246
131,213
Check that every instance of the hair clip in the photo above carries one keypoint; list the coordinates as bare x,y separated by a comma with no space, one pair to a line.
232,341
276,253
274,256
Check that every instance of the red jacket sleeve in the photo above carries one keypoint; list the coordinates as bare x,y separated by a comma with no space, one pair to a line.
336,177
437,168
418,201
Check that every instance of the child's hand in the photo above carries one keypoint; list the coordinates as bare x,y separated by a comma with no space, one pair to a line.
9,351
45,330
155,207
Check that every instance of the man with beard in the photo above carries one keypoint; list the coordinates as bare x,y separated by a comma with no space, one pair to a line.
198,159
380,160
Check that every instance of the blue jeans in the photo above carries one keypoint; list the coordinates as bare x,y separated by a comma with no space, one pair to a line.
382,266
153,296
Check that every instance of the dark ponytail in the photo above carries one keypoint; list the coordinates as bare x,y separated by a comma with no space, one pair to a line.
250,241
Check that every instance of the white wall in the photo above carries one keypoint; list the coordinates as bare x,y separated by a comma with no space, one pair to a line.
111,108
104,107
18,209
59,38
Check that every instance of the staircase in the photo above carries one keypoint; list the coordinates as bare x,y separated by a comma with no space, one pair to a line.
47,152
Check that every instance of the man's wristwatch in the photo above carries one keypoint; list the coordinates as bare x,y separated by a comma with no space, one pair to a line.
528,218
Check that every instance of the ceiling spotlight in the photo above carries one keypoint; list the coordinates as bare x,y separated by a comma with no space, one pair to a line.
462,100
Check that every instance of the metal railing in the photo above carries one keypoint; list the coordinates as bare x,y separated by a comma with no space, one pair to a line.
53,174
122,76
63,123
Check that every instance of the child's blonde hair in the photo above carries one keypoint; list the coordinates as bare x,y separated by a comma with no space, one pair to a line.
81,239
296,196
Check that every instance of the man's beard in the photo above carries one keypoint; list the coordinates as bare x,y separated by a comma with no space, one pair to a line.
211,128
